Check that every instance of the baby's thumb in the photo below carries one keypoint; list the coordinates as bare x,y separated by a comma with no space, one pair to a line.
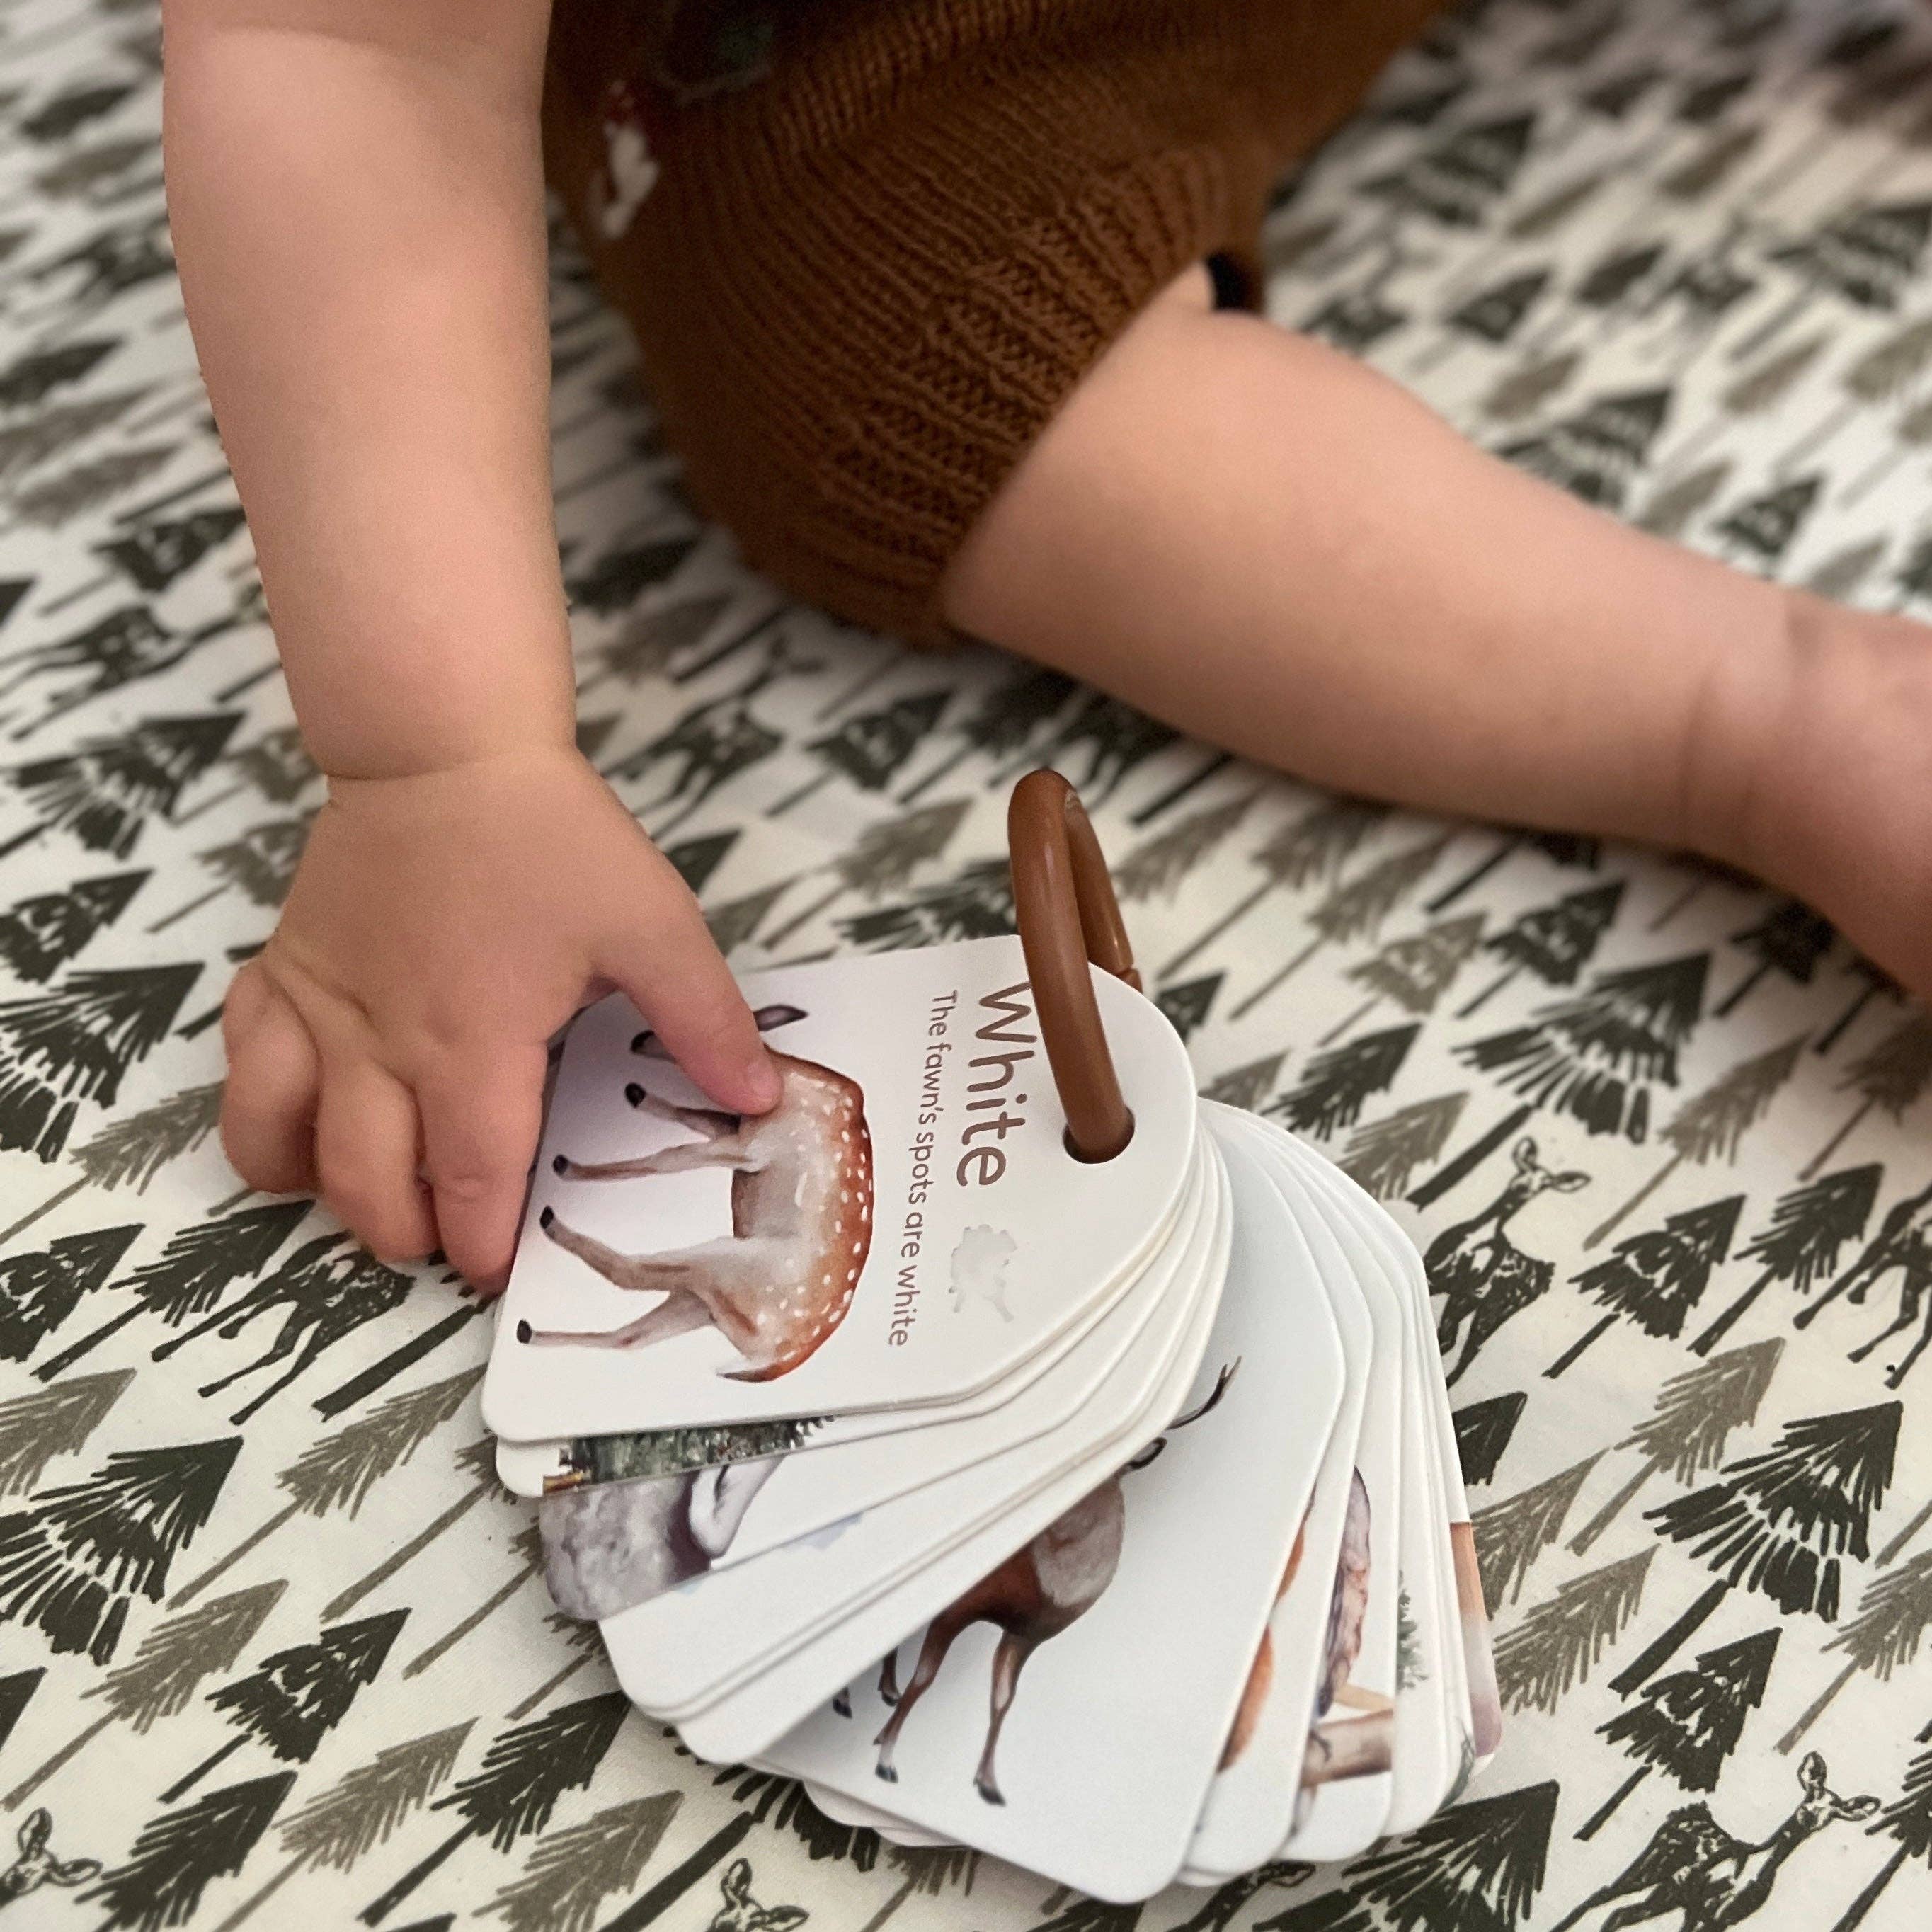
675,975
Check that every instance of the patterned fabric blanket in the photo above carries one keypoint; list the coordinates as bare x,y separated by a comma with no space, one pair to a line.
273,1645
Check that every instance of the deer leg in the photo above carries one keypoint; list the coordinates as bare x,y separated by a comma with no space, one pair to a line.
1907,1315
688,1158
1588,1906
677,1314
284,1343
708,1121
939,1636
1897,1375
1008,1662
889,1678
1636,1912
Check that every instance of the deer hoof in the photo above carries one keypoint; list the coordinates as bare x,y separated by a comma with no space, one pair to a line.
888,1774
524,1331
641,1042
635,1094
988,1790
561,1165
548,1215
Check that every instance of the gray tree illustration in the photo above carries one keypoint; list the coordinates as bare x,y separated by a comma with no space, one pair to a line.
883,858
1842,575
1307,850
1001,725
477,1459
1884,371
1455,180
1553,942
1414,971
90,484
1696,1414
1780,1523
1655,1279
1808,1227
574,1635
1116,738
1518,393
1872,981
40,1288
869,748
26,444
1511,1535
526,1546
338,1471
1597,453
1356,908
1678,504
1688,1724
199,1264
1560,1641
1483,1431
1157,867
181,1853
294,1699
647,641
1890,1076
1550,213
1755,392
361,1810
1907,1822
36,1427
1248,1085
1561,848
977,903
1339,1083
72,1560
571,1873
1894,1614
166,1670
524,1773
736,922
1383,1155
260,864
39,934
276,766
1866,257
75,1042
1593,1056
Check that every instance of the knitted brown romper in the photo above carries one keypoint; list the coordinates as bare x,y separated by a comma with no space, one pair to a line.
870,246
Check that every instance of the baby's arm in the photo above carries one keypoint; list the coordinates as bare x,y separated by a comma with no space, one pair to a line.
357,198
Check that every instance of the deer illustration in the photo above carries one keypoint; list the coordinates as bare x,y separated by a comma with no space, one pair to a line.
37,1866
1045,1587
742,1912
1693,1865
609,1545
1483,1276
801,1220
1903,1242
327,1296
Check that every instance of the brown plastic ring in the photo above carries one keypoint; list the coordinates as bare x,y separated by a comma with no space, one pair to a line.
1064,904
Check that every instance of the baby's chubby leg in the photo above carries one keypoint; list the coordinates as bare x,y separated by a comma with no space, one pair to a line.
1280,551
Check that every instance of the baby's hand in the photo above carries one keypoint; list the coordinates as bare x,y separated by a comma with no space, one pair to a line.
388,1045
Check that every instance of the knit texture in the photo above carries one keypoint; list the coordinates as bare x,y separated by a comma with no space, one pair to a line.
886,238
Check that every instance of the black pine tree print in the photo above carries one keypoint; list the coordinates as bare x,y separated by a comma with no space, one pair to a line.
1511,1534
1696,1413
1808,1227
1592,1056
571,1873
74,1043
1714,1121
736,922
1655,1279
360,1810
1890,1076
619,576
883,858
1866,257
1894,1614
1780,1522
1596,454
1688,1724
1383,1155
1560,1641
70,1561
1790,939
649,640
167,1668
40,1290
198,1263
105,792
1764,527
36,1427
976,903
1187,1006
15,1693
1455,181
1339,1084
1884,371
1907,1822
35,374
1913,578
1554,942
1478,1866
1117,740
181,1853
1483,1432
192,1272
1002,724
40,934
1311,849
298,1695
1494,314
153,556
869,748
1561,848
524,1773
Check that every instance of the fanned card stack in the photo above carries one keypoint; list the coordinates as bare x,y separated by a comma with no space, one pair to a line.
1016,1448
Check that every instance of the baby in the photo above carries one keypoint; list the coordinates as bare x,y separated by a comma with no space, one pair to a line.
939,300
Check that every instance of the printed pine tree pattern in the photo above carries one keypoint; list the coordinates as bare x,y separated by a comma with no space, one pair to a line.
1677,260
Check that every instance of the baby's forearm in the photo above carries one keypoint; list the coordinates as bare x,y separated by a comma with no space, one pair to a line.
356,192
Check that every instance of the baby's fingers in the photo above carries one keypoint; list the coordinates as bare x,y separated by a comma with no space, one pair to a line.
480,1120
268,1103
368,1146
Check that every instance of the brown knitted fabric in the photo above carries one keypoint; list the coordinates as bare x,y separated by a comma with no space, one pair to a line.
885,238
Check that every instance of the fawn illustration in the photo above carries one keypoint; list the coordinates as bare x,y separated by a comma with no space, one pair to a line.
1046,1586
610,1546
37,1866
801,1221
1693,1865
742,1912
1903,1242
1482,1276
